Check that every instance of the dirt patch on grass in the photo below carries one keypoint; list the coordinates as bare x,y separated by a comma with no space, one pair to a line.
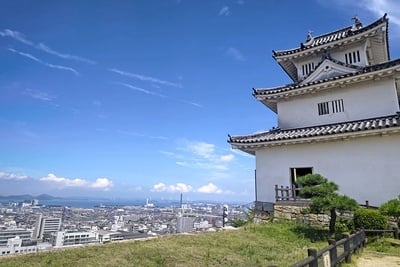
368,259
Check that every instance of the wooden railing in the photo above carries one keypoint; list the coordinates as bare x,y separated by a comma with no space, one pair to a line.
287,193
336,252
339,251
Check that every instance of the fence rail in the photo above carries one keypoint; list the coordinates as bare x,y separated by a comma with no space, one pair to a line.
339,251
286,193
336,252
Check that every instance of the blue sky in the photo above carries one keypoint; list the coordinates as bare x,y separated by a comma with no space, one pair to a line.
135,99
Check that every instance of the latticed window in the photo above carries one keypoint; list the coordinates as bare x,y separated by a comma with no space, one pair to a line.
352,57
334,106
307,68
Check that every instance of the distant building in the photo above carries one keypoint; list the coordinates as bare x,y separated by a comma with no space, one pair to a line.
185,224
23,235
16,245
340,117
46,226
64,238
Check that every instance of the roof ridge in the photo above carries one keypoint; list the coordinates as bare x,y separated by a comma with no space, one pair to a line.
365,69
277,134
346,31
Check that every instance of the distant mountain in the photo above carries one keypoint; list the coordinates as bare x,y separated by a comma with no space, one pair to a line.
28,197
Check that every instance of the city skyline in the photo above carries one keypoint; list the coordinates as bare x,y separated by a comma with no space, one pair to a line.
137,98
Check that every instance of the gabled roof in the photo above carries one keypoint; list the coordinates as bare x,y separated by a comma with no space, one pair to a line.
269,96
330,37
329,68
375,33
373,126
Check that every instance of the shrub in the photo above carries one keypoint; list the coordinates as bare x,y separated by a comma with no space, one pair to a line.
370,219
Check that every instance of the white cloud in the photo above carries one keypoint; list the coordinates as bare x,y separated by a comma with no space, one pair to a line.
21,38
375,7
48,50
380,7
12,176
227,158
141,135
201,149
209,189
36,94
60,67
64,181
224,11
145,78
135,88
202,155
15,35
235,54
177,188
100,183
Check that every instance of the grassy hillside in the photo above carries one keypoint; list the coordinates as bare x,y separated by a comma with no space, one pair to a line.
254,245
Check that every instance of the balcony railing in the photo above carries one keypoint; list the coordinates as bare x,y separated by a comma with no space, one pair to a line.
288,193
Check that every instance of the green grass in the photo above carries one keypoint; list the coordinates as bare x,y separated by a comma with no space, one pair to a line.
279,244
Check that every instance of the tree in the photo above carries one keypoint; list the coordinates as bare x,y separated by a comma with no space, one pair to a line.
391,208
324,197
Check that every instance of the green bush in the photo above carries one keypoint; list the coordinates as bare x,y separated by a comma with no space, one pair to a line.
370,219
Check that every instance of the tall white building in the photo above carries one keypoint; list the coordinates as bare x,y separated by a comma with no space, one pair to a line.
46,226
185,224
340,117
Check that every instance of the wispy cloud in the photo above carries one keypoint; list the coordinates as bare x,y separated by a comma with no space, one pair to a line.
139,89
36,94
145,78
191,103
100,183
12,176
53,66
148,92
48,50
16,35
224,11
380,7
200,155
141,135
375,7
235,54
20,37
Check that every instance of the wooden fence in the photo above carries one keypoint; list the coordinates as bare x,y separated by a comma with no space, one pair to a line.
336,252
286,193
339,251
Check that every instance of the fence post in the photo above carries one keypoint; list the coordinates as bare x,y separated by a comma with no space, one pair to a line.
395,233
313,253
347,250
333,252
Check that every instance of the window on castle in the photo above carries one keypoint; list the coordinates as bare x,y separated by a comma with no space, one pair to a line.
337,106
307,68
352,57
323,108
334,106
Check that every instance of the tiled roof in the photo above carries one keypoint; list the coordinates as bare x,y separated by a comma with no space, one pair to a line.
293,86
330,37
276,134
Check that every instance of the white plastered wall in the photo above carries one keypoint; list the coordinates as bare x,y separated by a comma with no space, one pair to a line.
361,101
366,168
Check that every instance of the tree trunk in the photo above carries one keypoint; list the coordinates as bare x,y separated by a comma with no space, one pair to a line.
332,222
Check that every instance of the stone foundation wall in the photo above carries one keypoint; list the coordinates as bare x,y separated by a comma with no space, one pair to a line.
294,213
